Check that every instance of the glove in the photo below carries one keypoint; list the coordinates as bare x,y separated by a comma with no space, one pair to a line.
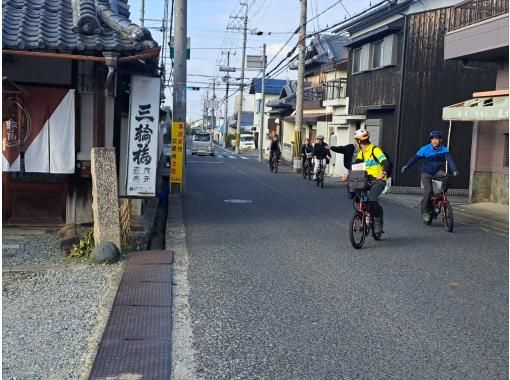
404,168
456,174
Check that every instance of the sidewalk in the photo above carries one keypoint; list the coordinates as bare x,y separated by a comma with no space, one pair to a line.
492,216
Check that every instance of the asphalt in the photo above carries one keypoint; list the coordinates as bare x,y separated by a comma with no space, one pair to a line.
277,291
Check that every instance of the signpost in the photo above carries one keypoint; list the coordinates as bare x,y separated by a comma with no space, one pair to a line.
177,153
143,136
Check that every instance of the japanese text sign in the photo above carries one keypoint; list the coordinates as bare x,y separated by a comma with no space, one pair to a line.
143,136
177,149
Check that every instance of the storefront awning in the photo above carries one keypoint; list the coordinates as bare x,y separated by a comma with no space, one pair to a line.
485,106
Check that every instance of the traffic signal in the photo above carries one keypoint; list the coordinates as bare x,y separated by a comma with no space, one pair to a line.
193,88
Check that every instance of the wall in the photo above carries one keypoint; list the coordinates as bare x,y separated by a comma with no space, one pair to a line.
49,71
502,77
431,83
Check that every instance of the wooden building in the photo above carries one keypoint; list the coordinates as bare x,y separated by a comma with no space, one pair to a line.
398,79
68,65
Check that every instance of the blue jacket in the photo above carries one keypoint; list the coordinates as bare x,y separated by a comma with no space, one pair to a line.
433,159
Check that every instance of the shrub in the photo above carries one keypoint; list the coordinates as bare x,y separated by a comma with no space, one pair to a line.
85,246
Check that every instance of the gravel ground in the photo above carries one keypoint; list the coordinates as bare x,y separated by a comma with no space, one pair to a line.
52,319
19,249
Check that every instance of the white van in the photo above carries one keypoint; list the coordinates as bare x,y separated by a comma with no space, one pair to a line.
202,144
246,141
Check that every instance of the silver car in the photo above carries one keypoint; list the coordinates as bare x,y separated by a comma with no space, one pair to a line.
202,144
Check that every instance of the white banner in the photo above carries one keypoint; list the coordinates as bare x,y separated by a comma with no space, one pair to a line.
143,136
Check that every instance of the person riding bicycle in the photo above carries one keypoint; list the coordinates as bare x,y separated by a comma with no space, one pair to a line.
274,149
434,155
376,166
322,155
306,148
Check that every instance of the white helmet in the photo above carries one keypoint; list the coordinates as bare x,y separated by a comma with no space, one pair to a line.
361,135
320,137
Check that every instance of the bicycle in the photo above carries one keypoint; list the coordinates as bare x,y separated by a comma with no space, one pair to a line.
308,167
273,163
320,174
362,222
440,203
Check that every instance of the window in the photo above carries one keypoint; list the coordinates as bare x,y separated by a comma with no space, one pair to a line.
377,54
202,137
505,158
356,60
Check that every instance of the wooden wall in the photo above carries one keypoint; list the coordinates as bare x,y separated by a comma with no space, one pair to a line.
431,83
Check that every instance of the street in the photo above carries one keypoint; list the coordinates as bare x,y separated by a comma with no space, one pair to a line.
277,291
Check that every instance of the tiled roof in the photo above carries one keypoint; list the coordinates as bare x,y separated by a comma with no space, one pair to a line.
72,25
271,86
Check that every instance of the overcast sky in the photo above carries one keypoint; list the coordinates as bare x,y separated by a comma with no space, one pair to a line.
207,23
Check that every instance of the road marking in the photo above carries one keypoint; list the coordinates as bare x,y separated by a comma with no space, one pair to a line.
219,156
243,158
205,162
232,157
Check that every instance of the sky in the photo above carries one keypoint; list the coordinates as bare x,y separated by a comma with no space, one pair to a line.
207,28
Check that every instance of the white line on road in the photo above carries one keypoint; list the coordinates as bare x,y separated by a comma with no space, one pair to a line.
219,156
232,157
243,158
183,352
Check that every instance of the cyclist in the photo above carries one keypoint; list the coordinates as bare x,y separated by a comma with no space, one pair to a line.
306,148
376,166
434,155
322,155
274,149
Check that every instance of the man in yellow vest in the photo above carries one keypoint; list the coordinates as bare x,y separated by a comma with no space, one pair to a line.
376,166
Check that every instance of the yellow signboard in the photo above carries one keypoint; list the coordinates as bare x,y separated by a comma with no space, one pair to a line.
177,151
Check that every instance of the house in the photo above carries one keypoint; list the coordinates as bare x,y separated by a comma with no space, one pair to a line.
76,99
281,107
399,82
272,89
246,114
325,109
483,38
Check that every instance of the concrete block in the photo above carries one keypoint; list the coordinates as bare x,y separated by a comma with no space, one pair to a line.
105,204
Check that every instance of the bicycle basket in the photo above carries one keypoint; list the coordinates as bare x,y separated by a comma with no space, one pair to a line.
357,181
438,186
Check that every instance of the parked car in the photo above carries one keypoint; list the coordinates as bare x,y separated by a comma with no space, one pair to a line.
246,141
202,144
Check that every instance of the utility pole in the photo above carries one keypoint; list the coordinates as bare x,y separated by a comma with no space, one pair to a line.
179,95
240,113
261,131
226,104
213,110
300,86
142,13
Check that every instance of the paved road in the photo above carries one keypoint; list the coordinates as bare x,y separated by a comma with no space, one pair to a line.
277,291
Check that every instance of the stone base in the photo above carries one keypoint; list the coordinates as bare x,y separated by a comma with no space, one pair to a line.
489,187
296,165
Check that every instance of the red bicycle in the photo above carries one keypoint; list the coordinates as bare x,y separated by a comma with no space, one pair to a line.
440,204
362,222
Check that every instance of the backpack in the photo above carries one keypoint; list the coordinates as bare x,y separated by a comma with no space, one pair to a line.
390,163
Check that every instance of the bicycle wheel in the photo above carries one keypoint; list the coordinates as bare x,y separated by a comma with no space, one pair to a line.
305,169
357,230
271,166
322,181
448,217
276,167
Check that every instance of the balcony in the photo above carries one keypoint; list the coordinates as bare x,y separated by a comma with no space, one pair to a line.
336,93
470,12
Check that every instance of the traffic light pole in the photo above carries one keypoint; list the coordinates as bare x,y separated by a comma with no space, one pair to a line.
261,132
240,112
